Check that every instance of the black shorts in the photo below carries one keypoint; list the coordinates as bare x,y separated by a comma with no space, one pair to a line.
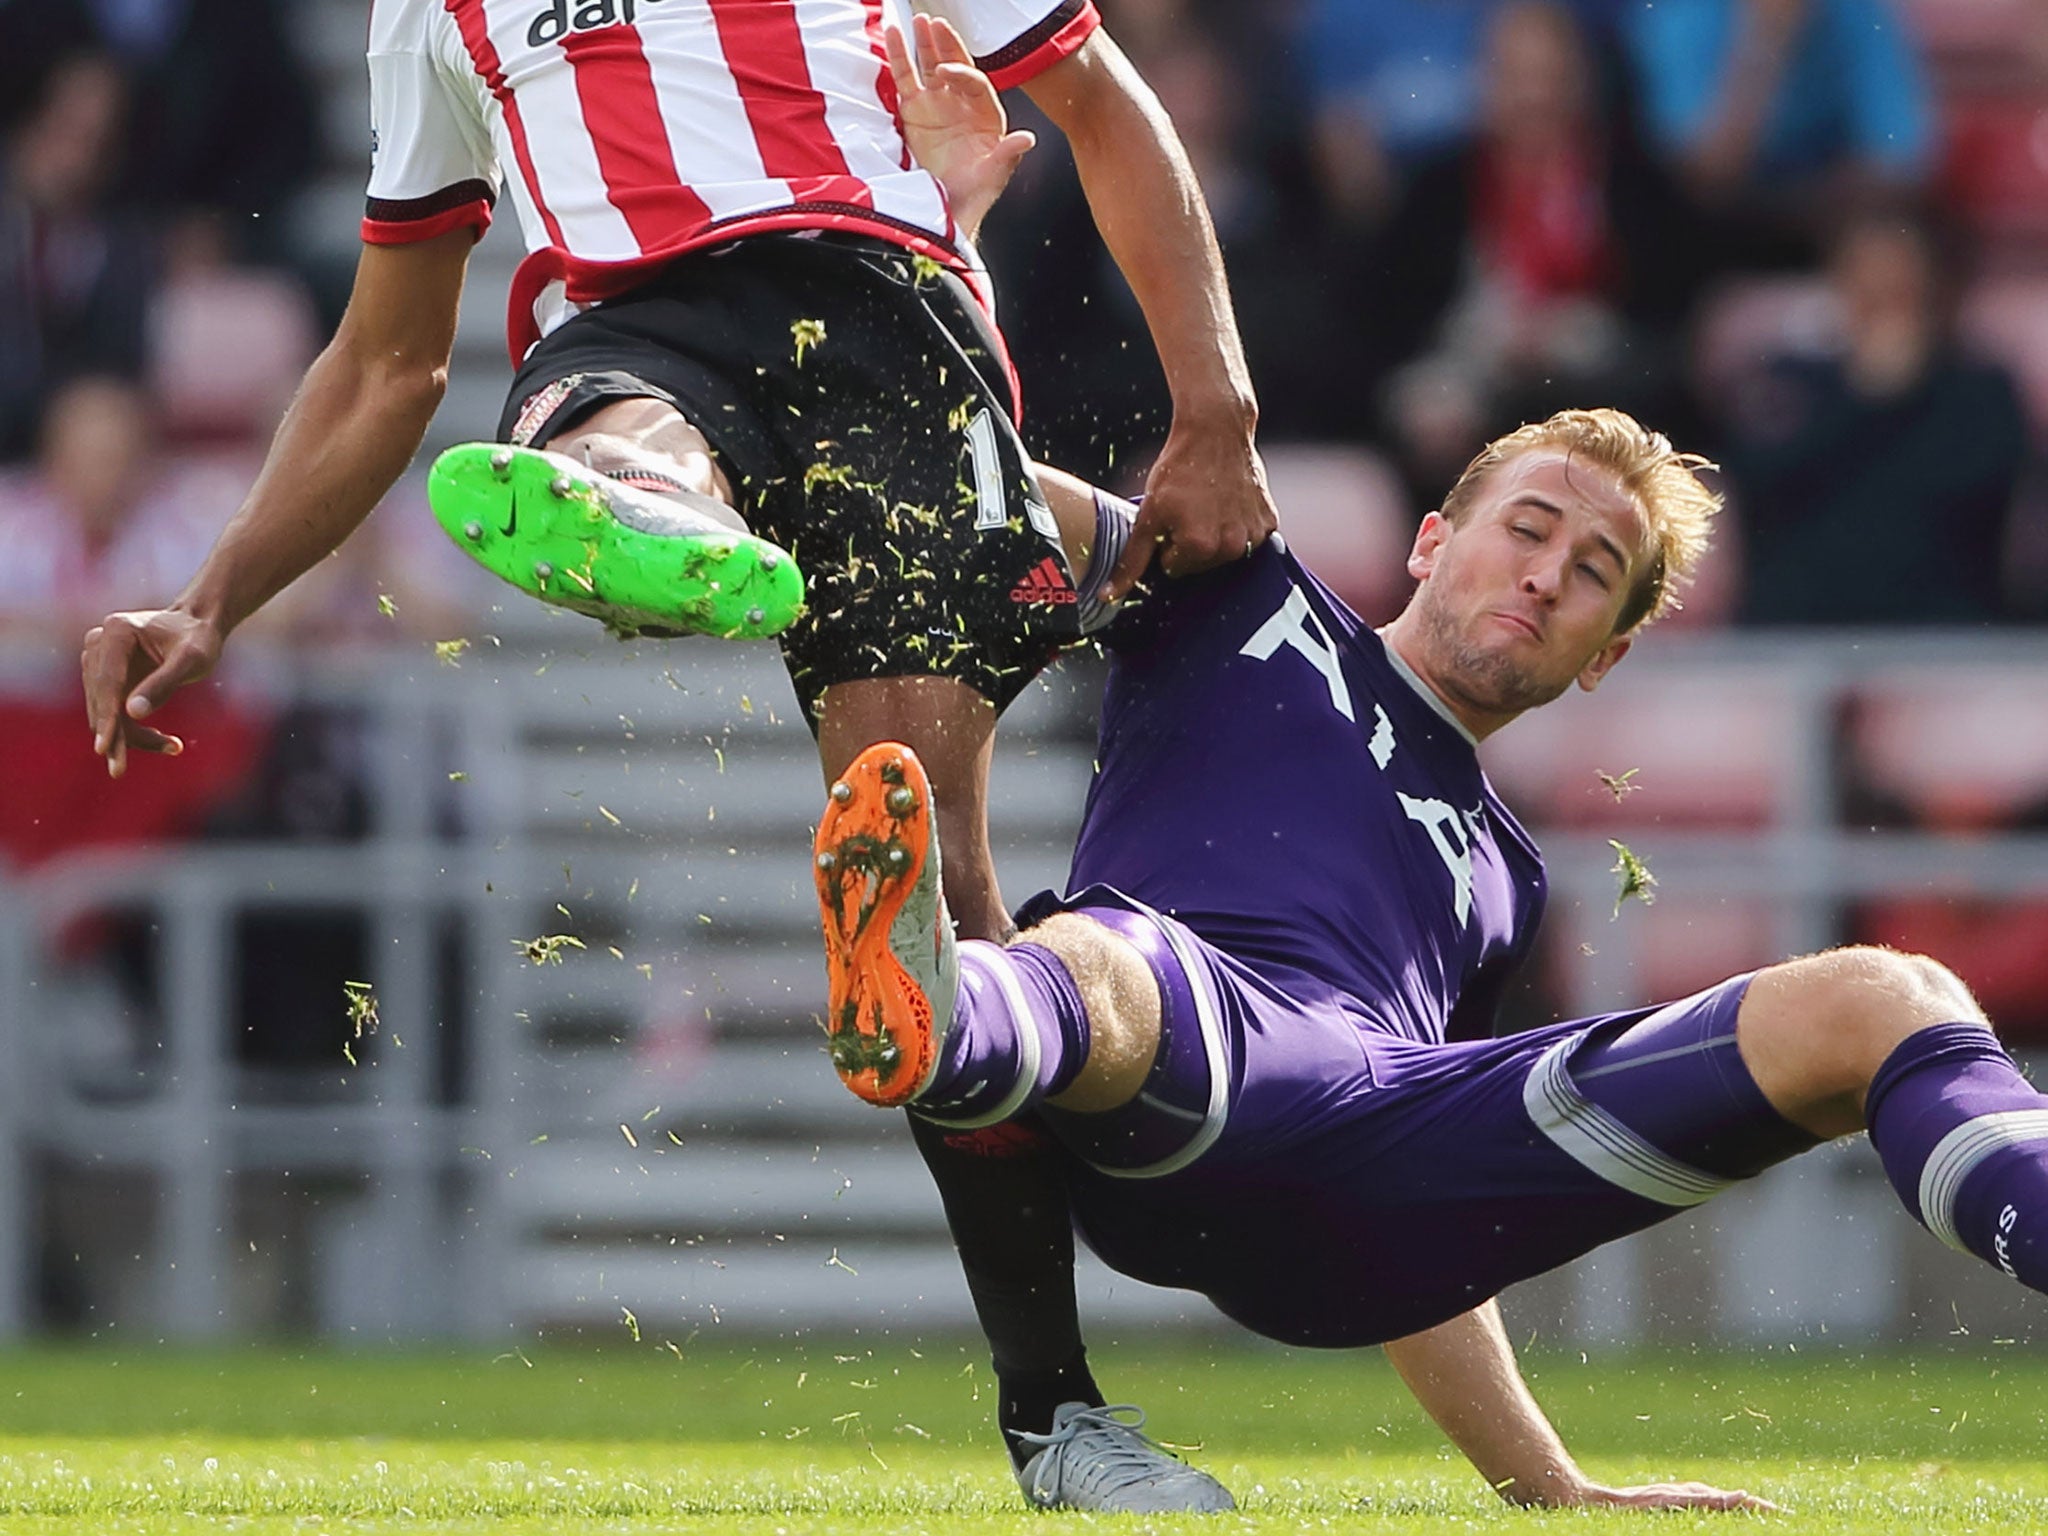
858,398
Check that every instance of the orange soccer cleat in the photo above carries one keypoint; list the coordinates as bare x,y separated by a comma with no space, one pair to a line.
892,967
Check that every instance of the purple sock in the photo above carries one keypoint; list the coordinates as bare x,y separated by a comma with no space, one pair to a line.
1964,1140
1019,1035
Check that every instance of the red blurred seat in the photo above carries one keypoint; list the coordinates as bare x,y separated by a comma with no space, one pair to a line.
1995,166
1709,749
60,799
1343,513
1999,947
1948,29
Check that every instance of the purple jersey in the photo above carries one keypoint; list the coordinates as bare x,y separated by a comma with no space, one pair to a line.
1269,775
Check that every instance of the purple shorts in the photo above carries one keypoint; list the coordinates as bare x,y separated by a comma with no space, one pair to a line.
1326,1181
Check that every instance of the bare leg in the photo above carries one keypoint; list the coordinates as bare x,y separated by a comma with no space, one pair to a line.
1813,1032
1009,1216
1072,502
1122,999
952,730
650,443
948,725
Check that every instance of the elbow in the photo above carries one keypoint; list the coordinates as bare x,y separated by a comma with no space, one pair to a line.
385,375
408,389
425,388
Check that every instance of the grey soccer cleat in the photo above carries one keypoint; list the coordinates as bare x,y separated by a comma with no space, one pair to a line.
1094,1460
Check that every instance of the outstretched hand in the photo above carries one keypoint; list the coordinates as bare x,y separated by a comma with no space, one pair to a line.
132,663
953,120
1672,1496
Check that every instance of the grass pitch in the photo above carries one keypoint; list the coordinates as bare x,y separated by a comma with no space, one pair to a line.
781,1438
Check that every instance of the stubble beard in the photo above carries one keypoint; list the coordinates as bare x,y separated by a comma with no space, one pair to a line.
1488,680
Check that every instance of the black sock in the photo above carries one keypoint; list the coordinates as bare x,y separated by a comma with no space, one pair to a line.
1028,1399
1007,1209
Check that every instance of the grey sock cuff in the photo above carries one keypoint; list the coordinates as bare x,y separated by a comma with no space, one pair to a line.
1114,518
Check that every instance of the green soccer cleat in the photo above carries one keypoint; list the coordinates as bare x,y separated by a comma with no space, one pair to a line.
639,563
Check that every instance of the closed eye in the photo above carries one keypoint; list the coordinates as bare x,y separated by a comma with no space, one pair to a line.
1599,576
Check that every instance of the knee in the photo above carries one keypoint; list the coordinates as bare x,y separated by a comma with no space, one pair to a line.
1851,1007
1867,986
1105,967
602,451
674,455
1121,996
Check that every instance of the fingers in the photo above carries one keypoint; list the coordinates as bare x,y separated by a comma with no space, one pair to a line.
109,651
1146,537
130,665
1188,552
92,640
147,738
1195,544
185,657
902,68
139,738
948,46
929,52
1693,1496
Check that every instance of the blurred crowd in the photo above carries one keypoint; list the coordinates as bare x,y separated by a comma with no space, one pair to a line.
160,295
1807,237
157,299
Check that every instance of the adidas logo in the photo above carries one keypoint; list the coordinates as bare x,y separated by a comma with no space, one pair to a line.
1047,583
565,16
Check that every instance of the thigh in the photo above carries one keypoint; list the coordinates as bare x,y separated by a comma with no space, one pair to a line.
1444,1173
909,499
859,402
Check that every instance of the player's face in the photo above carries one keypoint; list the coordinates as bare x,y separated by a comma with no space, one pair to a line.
1520,597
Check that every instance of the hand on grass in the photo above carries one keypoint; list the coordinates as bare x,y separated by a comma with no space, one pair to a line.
1671,1496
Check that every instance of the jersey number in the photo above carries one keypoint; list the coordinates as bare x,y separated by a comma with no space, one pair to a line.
991,509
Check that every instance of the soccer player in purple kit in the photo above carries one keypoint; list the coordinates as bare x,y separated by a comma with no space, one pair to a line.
1259,1025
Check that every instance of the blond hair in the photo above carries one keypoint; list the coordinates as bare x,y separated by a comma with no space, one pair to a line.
1664,483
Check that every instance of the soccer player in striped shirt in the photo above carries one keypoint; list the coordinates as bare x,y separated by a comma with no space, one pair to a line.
745,301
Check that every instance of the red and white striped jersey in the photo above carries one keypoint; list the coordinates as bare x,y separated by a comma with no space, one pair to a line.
635,130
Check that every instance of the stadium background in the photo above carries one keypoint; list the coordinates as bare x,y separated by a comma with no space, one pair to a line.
571,873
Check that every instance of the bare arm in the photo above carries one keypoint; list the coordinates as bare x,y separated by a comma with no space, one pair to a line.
354,426
1206,498
1463,1372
